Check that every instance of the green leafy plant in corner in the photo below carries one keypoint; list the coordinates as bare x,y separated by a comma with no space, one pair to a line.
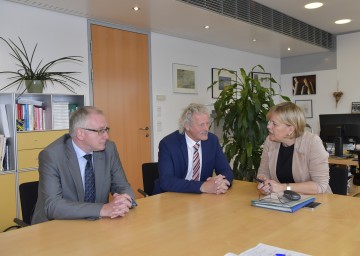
241,108
29,71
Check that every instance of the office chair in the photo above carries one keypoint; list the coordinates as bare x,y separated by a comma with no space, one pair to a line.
28,197
308,128
339,177
150,174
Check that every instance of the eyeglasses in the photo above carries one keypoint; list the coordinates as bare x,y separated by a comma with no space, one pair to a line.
274,198
100,131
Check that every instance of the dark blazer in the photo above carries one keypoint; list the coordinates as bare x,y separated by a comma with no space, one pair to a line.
61,193
173,164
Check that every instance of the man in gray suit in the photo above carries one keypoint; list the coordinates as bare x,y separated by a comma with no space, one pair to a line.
62,170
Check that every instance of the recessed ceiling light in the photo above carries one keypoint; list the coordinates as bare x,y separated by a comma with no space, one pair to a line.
207,26
254,40
313,5
136,8
343,21
289,49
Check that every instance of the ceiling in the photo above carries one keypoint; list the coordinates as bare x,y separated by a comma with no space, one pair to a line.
178,19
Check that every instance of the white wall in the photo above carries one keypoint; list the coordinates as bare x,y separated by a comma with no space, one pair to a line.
344,79
166,50
56,34
348,68
60,35
322,102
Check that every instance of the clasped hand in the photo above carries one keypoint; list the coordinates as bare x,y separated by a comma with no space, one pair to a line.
215,185
269,186
118,207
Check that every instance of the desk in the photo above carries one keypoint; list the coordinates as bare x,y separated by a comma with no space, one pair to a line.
343,161
193,224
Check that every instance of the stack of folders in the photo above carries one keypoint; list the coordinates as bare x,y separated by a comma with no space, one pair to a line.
60,112
2,151
4,135
276,201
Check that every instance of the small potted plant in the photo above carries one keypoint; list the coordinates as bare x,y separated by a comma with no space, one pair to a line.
35,77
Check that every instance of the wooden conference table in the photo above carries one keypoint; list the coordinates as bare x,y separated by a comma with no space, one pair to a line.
192,224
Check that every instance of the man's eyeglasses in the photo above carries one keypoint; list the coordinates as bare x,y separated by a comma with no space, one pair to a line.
100,131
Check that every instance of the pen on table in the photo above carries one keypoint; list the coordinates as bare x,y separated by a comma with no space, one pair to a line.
280,254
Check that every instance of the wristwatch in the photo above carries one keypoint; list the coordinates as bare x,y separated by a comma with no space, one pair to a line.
288,186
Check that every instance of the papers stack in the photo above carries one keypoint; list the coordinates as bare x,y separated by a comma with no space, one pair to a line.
60,113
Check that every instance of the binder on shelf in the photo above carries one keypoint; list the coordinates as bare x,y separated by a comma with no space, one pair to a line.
4,123
2,151
276,201
29,102
60,112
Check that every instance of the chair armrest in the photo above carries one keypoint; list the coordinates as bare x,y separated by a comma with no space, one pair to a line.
20,222
142,192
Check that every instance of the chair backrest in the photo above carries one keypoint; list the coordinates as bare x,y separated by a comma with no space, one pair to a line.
339,177
28,197
150,174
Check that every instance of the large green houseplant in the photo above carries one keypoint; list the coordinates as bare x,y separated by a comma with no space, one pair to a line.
32,74
241,108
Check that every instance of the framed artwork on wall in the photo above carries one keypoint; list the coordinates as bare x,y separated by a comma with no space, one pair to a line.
264,78
355,108
306,105
184,78
223,78
304,85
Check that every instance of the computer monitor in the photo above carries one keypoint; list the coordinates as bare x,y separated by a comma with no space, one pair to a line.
340,129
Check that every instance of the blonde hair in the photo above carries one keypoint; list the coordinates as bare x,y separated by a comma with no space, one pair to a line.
187,115
290,114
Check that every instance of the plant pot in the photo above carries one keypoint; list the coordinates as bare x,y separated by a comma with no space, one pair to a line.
34,86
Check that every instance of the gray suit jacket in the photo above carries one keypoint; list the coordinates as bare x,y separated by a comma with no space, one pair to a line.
61,193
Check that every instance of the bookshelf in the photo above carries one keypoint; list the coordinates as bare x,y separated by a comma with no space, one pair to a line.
25,144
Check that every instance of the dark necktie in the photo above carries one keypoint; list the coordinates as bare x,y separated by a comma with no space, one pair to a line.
89,180
196,162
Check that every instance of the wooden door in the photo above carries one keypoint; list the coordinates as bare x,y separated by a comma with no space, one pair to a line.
121,89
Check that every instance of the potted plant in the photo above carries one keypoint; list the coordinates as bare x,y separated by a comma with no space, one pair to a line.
242,107
35,77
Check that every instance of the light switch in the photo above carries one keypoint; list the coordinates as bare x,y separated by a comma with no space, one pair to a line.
160,97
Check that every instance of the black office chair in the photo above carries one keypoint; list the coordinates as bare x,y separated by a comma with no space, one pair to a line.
28,197
339,177
150,174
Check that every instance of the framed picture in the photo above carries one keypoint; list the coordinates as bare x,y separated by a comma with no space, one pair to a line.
225,78
264,78
355,108
306,105
184,78
303,85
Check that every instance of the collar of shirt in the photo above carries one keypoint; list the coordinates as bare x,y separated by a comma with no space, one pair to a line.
190,142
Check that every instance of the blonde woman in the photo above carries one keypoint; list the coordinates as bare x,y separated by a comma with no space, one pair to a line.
292,158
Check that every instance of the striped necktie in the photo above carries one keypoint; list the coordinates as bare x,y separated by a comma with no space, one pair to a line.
89,180
196,162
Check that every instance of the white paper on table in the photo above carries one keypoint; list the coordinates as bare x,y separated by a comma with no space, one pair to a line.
267,250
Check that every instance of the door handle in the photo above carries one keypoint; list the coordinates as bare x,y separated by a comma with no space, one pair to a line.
144,129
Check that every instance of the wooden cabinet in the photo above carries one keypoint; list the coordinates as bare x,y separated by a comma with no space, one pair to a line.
7,199
30,144
24,148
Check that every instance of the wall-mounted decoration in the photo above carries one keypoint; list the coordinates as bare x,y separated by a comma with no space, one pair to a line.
184,78
264,78
223,79
303,85
355,108
306,105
